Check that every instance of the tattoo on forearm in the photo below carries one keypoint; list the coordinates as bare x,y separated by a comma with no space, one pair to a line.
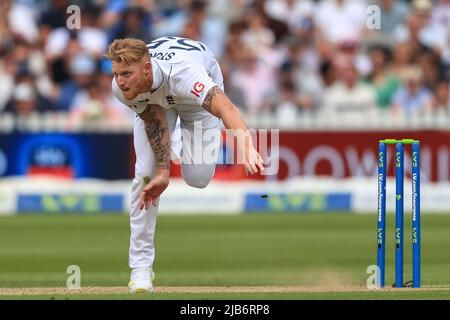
209,97
156,130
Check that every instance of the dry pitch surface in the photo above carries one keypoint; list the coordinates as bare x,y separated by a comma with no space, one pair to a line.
205,289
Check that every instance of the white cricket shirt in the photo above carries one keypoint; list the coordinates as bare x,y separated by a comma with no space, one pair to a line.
184,70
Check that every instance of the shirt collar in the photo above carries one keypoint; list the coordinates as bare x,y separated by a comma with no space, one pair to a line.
157,81
157,75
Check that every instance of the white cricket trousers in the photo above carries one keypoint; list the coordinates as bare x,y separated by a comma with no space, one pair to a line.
197,125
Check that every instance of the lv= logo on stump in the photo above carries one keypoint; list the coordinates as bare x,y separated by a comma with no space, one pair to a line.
399,211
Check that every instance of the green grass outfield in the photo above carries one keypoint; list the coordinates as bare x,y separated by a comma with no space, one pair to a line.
313,256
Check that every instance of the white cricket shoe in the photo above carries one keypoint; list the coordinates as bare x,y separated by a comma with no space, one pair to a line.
141,280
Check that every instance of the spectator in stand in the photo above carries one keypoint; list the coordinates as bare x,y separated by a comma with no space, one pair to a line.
132,25
195,20
402,60
306,30
34,58
328,74
445,55
22,20
112,18
193,25
257,35
235,93
441,17
91,107
348,48
26,99
167,7
91,38
59,65
341,19
258,79
348,99
431,67
291,11
325,50
288,106
441,102
173,23
279,27
291,60
300,67
381,77
409,32
446,58
233,47
441,13
432,34
261,38
54,17
420,30
313,86
328,32
96,103
7,71
16,53
413,98
111,13
23,102
82,70
6,36
393,13
221,9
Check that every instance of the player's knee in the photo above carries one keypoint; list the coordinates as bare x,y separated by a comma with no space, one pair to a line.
197,182
197,178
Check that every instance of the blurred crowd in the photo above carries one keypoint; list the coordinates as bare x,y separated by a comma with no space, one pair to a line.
341,59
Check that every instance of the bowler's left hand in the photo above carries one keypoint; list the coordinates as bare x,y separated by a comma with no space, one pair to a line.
253,162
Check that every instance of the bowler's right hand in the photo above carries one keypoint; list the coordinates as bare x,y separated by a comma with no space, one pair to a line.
151,192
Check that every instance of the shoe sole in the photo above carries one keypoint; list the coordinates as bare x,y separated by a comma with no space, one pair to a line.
140,290
143,291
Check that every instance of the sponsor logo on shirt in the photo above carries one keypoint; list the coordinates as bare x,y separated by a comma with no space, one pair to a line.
170,100
198,88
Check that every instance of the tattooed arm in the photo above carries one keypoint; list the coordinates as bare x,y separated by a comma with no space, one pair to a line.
218,104
157,130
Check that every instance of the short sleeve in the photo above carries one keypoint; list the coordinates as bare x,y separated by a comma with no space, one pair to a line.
191,83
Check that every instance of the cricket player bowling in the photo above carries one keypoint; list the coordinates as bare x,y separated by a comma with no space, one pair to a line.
169,80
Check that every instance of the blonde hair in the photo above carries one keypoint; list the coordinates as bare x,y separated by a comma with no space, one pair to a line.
127,50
